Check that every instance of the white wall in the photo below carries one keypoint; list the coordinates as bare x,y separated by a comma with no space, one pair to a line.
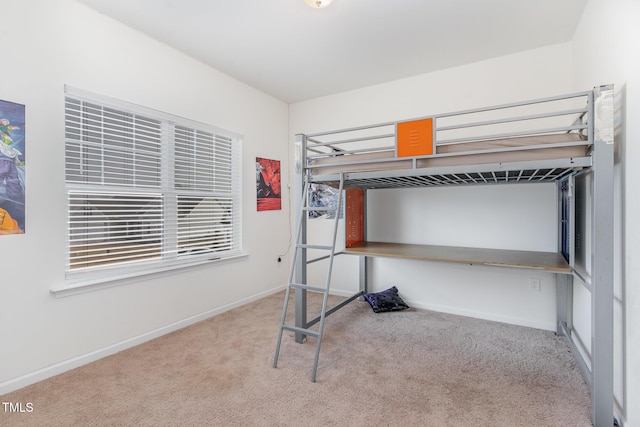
50,43
605,50
479,216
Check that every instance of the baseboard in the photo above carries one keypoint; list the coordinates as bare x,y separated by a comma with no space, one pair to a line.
75,362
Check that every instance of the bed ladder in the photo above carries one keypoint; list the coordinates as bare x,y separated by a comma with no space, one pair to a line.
300,247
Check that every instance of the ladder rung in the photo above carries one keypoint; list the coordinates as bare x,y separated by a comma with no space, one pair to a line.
305,246
307,287
301,330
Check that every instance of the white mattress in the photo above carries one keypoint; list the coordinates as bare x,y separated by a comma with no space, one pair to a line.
468,153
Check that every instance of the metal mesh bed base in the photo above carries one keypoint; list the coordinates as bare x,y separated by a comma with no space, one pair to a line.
521,172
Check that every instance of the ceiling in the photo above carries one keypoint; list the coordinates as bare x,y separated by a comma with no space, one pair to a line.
294,53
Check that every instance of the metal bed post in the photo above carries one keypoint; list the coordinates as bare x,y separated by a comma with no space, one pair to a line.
564,303
364,261
566,246
301,261
602,258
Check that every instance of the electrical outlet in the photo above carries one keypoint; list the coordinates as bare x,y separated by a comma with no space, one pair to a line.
534,284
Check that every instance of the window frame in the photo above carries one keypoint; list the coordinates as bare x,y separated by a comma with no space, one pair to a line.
193,207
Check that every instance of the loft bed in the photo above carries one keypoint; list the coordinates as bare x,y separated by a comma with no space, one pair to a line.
565,139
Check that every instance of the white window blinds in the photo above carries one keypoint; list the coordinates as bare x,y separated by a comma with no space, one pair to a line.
146,190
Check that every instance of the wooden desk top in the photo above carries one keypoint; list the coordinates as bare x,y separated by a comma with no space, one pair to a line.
547,261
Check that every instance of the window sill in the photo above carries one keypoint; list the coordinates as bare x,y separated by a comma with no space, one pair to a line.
90,285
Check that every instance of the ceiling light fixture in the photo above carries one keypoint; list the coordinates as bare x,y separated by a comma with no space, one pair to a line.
318,4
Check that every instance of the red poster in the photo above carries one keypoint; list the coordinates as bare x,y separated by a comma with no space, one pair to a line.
268,184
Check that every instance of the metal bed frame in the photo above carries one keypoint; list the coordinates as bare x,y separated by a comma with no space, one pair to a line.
367,158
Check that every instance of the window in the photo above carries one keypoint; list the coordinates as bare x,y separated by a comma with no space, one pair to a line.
146,191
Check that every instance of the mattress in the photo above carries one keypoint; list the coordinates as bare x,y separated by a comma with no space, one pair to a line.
538,147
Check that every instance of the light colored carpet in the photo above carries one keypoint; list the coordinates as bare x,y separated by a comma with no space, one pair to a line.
410,368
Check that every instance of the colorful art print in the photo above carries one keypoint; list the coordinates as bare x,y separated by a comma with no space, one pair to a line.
323,196
268,184
12,168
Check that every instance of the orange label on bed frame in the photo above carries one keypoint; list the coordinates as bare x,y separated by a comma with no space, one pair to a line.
354,217
415,138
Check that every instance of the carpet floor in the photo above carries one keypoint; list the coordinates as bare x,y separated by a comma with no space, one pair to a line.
408,368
